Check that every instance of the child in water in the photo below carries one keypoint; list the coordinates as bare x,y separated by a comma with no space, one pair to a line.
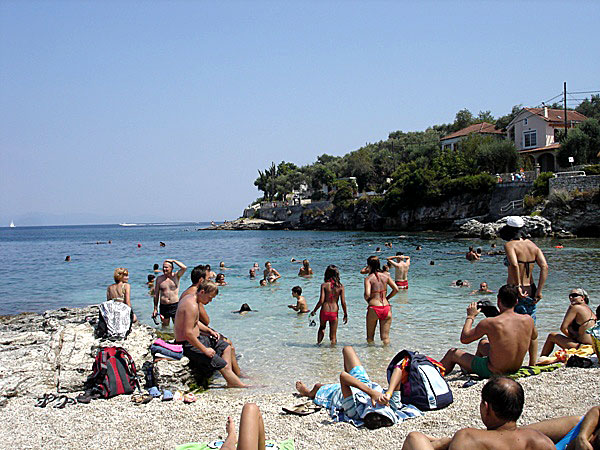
332,290
300,305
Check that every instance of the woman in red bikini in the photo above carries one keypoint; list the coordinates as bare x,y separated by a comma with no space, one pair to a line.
379,308
332,290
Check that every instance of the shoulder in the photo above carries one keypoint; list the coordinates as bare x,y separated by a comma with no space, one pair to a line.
536,439
469,437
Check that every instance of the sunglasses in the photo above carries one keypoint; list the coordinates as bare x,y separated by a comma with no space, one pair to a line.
575,295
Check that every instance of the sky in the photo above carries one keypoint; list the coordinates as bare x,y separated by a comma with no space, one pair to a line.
154,111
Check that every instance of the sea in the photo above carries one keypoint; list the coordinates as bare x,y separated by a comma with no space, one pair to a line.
276,345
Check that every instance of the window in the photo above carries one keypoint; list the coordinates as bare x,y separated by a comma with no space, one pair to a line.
524,121
530,138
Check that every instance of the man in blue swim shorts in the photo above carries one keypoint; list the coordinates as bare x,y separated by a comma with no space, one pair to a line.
502,401
508,337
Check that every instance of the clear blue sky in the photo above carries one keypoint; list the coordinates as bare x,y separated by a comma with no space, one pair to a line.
123,111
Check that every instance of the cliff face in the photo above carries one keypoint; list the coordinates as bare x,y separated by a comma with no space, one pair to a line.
579,215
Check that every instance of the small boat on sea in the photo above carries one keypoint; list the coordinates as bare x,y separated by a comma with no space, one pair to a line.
12,224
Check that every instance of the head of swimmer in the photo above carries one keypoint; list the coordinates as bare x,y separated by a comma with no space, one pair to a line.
483,286
268,265
373,264
222,265
207,290
167,268
306,264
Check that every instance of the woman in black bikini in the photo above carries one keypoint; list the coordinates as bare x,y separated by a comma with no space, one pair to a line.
379,309
579,317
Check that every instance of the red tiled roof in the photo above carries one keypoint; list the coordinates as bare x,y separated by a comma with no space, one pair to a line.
541,149
483,128
557,115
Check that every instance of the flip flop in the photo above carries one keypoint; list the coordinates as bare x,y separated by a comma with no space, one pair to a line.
43,401
167,395
63,401
141,399
154,392
189,398
303,409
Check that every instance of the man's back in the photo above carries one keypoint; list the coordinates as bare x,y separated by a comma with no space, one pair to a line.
519,439
509,334
187,307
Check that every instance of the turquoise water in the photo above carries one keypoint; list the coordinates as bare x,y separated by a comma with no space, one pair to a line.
276,344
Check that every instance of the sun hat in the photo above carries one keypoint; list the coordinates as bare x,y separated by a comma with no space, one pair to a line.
515,221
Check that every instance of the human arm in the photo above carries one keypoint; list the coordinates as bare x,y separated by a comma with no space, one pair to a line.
347,381
468,333
367,294
364,270
590,423
203,315
344,307
320,302
394,382
393,286
540,259
277,276
156,297
570,315
182,268
392,262
108,293
127,294
295,307
513,266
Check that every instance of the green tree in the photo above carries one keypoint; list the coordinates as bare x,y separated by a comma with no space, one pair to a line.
485,116
582,143
463,119
590,108
503,121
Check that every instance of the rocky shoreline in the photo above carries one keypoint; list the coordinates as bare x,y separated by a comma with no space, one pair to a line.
53,351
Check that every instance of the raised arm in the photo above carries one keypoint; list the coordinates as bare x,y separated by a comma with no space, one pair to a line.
468,333
543,265
364,270
393,262
182,268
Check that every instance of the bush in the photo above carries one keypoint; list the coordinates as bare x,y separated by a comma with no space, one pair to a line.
531,201
541,185
592,170
344,194
318,196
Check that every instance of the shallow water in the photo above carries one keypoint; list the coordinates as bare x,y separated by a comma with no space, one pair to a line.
276,344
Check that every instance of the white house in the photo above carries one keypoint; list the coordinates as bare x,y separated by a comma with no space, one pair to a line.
449,141
534,132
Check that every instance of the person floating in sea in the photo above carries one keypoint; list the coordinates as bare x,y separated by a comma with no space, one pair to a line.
502,401
270,274
305,270
166,291
68,258
332,291
222,266
220,280
204,347
162,244
379,308
262,282
483,289
472,255
252,273
521,255
120,290
508,338
156,269
461,283
300,306
401,264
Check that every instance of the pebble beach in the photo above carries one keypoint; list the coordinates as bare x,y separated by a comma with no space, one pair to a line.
118,423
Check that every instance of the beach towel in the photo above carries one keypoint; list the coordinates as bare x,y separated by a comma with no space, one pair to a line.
528,371
288,444
154,349
563,355
177,348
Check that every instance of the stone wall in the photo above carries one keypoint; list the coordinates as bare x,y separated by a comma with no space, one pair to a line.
587,183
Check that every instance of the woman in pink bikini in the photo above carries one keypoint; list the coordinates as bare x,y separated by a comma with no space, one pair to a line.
332,290
379,308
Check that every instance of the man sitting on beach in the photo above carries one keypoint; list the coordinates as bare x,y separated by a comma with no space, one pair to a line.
508,338
166,291
401,264
201,345
501,406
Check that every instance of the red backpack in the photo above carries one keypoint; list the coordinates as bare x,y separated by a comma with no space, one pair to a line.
113,373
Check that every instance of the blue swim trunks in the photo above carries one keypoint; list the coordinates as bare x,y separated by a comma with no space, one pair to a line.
528,306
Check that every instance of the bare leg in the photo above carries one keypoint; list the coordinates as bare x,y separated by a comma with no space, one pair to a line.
303,390
321,332
164,321
371,325
558,339
555,429
252,430
333,332
483,348
384,329
234,364
455,356
533,351
233,381
416,441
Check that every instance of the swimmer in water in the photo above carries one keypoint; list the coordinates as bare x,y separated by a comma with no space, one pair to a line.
483,289
305,270
300,306
270,274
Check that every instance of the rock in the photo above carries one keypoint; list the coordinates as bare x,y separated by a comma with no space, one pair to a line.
54,352
471,228
247,224
535,226
562,234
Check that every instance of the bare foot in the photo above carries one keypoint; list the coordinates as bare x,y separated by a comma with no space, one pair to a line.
231,441
302,389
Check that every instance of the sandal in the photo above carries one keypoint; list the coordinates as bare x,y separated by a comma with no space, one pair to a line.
43,401
189,398
63,401
141,399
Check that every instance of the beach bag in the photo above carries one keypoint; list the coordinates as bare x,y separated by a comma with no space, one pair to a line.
113,373
114,320
424,386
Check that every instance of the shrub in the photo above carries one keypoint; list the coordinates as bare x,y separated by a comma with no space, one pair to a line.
318,196
531,201
541,185
592,170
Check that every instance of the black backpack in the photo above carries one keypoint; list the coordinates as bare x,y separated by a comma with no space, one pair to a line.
113,373
425,388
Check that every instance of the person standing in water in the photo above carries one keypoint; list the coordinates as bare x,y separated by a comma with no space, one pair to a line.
401,264
270,274
332,290
305,270
379,309
166,291
521,255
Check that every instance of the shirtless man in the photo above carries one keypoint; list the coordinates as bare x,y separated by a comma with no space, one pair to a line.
501,406
300,305
521,255
508,338
472,255
401,264
269,274
166,291
483,289
202,345
200,275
